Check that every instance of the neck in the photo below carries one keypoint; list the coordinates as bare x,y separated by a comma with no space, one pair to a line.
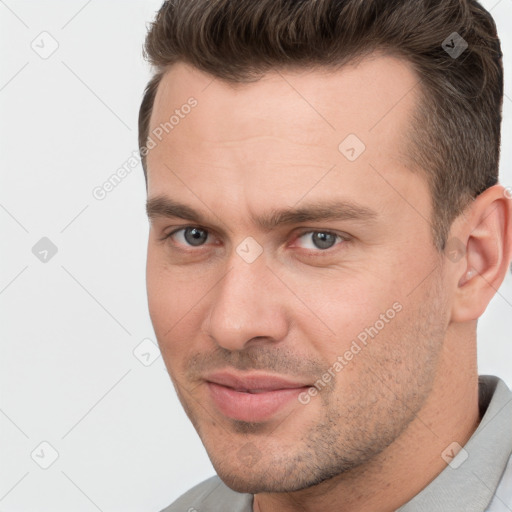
413,460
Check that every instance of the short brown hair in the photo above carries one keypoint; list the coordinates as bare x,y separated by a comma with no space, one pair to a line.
456,130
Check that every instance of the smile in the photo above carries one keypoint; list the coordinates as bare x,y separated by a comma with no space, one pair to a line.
252,398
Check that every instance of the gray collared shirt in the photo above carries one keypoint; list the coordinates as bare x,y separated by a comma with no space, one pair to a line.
478,479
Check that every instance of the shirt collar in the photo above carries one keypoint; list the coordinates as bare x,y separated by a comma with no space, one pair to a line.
471,485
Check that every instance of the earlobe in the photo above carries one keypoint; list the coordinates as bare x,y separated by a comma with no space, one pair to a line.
487,231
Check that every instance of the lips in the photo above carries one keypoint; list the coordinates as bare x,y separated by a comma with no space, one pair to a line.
252,397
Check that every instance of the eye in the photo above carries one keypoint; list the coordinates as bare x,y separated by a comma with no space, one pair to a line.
193,236
319,239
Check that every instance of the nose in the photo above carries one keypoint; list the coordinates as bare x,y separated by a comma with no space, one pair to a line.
248,307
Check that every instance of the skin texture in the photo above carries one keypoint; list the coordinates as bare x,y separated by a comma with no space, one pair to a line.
372,438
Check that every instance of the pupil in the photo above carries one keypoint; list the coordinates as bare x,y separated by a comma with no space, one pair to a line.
324,240
195,236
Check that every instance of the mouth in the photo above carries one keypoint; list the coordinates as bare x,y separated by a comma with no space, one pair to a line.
252,397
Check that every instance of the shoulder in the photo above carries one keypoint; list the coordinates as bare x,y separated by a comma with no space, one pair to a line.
212,495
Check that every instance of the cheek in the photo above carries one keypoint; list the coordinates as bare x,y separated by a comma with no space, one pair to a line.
159,299
167,299
362,309
175,305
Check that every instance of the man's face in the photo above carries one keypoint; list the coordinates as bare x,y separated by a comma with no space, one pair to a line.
252,305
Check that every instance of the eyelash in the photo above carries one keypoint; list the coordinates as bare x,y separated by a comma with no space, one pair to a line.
340,238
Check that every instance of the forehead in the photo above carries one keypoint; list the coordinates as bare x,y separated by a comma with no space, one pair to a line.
366,95
283,130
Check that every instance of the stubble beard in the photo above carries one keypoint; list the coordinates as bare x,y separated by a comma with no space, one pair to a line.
360,418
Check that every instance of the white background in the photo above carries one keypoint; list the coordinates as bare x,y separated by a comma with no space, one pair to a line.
68,374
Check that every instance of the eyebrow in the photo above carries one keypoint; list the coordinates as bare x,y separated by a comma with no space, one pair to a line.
162,206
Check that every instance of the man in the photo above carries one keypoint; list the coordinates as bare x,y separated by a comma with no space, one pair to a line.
327,227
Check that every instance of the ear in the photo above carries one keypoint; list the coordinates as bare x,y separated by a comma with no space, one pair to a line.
484,241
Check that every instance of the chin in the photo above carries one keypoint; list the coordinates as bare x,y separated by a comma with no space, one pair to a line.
290,476
247,481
